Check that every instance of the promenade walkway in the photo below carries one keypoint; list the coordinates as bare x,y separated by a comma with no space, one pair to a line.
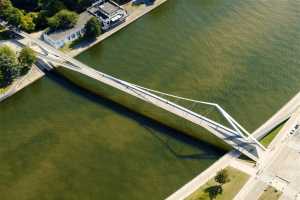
280,116
255,186
279,167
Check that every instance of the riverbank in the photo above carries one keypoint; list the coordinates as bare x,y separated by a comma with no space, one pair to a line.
230,159
218,61
33,75
18,84
134,13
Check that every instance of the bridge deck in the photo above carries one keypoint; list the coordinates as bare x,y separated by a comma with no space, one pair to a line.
245,145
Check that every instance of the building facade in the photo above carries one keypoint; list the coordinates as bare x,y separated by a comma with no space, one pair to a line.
108,13
58,39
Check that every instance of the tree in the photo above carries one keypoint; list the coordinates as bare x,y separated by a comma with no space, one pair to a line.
64,19
28,22
27,58
28,5
9,13
9,66
92,28
78,5
52,6
222,177
5,6
214,191
14,16
9,53
2,78
48,9
41,21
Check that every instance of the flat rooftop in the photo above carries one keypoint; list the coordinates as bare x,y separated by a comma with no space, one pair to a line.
108,8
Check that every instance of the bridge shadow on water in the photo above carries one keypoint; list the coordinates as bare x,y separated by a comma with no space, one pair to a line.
156,129
184,138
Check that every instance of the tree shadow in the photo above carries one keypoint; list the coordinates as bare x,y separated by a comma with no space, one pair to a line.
82,42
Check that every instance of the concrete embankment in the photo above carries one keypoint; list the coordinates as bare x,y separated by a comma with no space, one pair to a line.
280,116
133,14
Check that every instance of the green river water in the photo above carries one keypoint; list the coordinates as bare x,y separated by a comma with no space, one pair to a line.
59,141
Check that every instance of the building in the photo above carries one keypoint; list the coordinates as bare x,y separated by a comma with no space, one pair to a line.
59,38
109,13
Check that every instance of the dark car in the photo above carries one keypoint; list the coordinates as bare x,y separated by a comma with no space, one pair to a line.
146,2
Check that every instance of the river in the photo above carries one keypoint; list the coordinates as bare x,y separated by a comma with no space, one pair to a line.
59,141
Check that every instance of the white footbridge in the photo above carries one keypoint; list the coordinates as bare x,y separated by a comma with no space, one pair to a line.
235,136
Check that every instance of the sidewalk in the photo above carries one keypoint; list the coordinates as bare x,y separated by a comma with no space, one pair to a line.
278,167
231,160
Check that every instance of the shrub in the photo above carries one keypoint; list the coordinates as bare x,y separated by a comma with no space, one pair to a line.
222,177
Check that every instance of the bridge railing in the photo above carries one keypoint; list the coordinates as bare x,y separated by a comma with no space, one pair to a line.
82,68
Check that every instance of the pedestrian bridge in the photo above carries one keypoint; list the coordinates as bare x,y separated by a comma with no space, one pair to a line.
236,136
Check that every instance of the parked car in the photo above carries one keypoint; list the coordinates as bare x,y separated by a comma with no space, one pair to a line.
146,2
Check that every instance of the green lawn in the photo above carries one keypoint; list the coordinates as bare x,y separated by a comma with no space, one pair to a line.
230,189
270,193
269,138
